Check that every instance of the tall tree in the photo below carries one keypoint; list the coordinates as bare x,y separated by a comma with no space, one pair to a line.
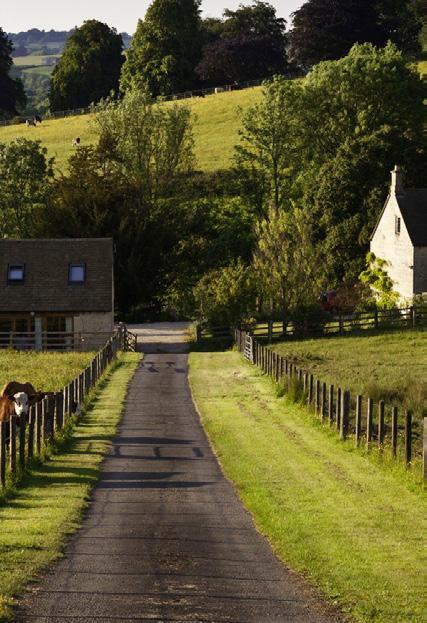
165,49
89,69
25,175
12,93
326,29
250,45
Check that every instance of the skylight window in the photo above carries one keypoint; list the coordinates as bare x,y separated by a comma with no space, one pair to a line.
16,273
77,273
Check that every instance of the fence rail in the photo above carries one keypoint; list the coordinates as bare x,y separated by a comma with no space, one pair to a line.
372,424
341,324
21,441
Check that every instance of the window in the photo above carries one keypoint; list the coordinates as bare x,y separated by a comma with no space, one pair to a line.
397,225
16,273
77,273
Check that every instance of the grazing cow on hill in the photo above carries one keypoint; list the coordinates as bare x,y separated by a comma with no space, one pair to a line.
37,119
30,122
198,94
75,142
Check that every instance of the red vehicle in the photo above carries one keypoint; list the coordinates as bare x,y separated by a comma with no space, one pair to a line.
328,301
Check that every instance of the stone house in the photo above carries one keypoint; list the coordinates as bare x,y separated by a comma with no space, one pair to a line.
56,294
400,237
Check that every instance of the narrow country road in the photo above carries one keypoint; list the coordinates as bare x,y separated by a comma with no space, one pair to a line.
165,538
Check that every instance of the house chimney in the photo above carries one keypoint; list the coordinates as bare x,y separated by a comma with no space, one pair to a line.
397,181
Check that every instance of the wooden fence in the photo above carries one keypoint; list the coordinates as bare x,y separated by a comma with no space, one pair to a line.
368,422
341,324
20,443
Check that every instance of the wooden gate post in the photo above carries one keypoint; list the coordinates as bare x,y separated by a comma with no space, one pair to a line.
3,426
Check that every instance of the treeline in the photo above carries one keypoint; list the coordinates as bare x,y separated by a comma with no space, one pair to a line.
291,216
175,50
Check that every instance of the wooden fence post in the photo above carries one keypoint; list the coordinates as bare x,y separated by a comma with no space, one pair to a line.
394,415
345,412
22,435
3,426
323,407
12,445
408,438
331,405
270,331
369,421
317,397
380,423
358,427
59,411
339,405
310,389
39,426
31,424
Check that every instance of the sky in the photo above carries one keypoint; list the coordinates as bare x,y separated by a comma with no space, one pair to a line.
122,14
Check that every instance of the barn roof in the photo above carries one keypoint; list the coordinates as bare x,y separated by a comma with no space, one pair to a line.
46,286
413,206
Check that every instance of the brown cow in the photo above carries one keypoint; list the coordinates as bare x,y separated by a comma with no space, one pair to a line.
7,409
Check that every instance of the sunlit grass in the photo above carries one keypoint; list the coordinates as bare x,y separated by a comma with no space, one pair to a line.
351,525
216,125
46,371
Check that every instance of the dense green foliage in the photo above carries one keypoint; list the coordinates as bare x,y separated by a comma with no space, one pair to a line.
165,49
325,30
12,94
25,176
89,68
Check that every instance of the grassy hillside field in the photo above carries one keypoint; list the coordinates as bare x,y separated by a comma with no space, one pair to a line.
389,366
351,525
47,371
215,129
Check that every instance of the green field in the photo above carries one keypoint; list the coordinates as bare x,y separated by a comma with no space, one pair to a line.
32,59
389,366
352,526
215,129
49,505
47,371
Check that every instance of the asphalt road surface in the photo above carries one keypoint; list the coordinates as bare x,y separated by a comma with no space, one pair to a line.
165,538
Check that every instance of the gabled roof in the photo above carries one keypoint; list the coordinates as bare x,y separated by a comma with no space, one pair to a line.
413,206
46,287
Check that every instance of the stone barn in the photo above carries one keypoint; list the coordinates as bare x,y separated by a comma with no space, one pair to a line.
400,237
56,294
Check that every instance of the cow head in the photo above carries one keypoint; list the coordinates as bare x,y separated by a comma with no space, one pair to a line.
21,403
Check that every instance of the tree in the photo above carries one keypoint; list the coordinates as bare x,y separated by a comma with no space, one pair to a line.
263,157
151,145
259,19
25,175
165,49
225,296
12,94
89,68
240,58
250,44
286,264
326,30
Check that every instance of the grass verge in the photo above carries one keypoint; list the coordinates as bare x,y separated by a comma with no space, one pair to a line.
352,527
49,505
